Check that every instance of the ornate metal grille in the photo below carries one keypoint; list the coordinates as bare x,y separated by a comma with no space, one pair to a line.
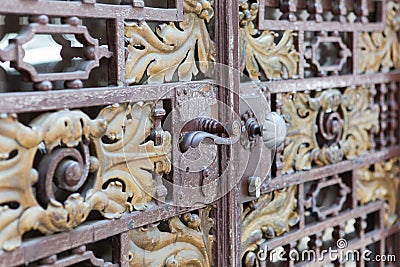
108,109
330,68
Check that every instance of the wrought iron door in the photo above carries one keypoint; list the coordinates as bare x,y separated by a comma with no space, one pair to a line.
199,133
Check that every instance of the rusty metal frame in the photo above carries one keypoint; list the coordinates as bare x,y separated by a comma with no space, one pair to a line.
225,28
315,24
93,10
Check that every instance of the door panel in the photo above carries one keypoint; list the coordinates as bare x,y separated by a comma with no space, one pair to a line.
94,107
199,132
330,70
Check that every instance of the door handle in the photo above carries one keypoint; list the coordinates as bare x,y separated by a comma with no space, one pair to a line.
205,129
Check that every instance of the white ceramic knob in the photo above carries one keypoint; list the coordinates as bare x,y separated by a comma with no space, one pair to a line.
274,131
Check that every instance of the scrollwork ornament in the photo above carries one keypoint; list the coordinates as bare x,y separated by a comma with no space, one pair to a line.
87,172
328,126
269,216
380,51
259,49
171,49
187,242
380,183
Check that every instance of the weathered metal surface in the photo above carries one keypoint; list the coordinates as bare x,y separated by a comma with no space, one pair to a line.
171,49
187,242
379,51
380,184
91,51
325,128
78,255
276,59
346,174
115,169
269,216
112,9
69,162
346,15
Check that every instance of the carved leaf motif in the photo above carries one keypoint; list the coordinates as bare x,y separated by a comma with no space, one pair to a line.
186,243
171,48
381,183
380,50
361,118
267,217
342,121
276,60
299,139
127,159
120,169
259,49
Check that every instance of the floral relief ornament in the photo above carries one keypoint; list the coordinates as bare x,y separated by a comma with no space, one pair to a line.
327,126
380,51
269,216
380,184
109,158
171,49
260,50
184,241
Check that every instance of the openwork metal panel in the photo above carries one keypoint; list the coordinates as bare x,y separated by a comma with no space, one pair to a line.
330,69
89,137
198,132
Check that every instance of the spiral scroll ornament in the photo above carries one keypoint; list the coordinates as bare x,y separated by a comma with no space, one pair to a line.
65,165
65,170
327,126
330,126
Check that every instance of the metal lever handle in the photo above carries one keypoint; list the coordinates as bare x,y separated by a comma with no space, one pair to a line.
203,129
193,139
